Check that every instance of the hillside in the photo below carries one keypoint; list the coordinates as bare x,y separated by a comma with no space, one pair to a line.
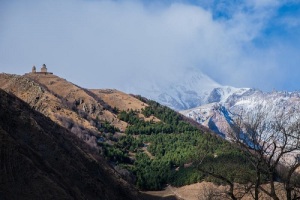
81,100
123,102
150,145
75,108
40,159
167,152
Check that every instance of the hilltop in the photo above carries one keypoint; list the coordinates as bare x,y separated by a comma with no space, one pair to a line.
71,106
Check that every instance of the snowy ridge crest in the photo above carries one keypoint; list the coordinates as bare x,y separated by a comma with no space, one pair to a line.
219,116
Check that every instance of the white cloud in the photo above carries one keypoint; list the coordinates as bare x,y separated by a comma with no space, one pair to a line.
114,43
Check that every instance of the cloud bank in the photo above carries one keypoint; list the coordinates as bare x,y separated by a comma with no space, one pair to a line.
114,44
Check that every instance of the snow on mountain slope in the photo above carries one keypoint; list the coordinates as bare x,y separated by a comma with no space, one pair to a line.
187,90
212,104
222,93
219,116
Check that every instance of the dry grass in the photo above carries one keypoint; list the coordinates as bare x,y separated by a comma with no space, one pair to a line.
123,101
207,191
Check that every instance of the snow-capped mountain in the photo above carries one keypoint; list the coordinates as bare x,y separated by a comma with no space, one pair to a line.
219,116
199,97
188,90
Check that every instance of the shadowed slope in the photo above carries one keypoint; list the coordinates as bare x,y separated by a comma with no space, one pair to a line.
41,160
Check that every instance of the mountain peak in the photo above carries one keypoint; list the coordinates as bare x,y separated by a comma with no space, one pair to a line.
187,90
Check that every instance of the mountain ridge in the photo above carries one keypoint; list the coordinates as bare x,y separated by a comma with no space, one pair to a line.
189,90
183,91
213,105
220,115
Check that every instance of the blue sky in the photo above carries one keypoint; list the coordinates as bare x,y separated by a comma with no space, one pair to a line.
110,44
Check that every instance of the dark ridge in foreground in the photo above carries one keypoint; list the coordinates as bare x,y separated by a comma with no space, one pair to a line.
41,160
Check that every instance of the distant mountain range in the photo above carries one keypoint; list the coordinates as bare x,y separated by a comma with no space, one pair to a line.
190,90
199,97
185,91
219,116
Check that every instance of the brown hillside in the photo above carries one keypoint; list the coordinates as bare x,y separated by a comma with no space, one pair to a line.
122,101
41,160
118,99
49,104
79,98
75,108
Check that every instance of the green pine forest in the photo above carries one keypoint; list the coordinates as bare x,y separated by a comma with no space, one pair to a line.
169,151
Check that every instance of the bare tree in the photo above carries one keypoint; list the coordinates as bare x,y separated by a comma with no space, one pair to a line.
269,143
292,182
233,191
209,191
